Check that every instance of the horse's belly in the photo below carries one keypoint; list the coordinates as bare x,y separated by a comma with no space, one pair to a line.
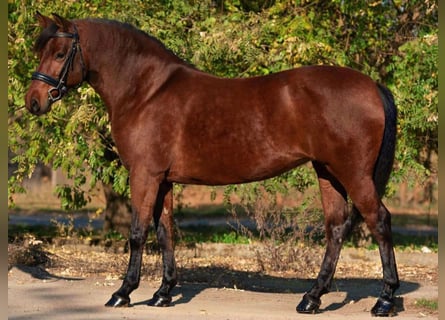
220,170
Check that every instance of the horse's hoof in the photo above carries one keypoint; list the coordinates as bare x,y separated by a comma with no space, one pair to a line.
308,305
159,301
383,308
117,301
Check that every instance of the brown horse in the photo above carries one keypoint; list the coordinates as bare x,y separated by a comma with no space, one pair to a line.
172,123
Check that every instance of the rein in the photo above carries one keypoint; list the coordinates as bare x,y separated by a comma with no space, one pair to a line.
60,84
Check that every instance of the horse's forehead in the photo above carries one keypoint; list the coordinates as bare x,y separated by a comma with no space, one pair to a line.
44,37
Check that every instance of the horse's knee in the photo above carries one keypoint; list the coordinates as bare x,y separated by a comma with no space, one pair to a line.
383,224
137,237
379,223
337,232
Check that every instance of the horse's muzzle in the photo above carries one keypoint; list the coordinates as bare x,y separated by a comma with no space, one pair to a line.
37,109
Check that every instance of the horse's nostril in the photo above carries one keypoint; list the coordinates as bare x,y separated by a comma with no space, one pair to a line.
35,107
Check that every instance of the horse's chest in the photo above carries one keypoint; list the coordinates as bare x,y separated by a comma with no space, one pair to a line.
142,144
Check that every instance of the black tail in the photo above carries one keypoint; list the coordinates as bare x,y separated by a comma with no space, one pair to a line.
385,160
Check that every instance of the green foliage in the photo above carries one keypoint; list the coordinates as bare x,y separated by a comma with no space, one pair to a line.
415,86
431,305
393,41
230,238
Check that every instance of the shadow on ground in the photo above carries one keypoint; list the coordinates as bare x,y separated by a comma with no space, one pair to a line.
194,281
41,273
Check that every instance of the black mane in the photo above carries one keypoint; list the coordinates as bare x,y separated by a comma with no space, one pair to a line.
50,31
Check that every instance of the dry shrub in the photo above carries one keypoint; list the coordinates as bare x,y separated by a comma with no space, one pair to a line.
286,234
27,251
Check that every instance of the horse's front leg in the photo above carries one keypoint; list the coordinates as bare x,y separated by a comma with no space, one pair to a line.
164,224
338,224
143,197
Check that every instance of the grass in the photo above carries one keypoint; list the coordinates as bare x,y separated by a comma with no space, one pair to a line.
212,234
201,234
202,211
225,233
431,305
416,243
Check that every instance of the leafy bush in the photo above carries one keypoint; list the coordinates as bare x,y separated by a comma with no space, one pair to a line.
393,41
415,86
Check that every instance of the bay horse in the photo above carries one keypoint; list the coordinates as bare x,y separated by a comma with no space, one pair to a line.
172,123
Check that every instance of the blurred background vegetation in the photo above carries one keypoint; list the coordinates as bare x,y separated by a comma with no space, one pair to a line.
395,42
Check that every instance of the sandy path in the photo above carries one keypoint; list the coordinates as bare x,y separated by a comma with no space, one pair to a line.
66,299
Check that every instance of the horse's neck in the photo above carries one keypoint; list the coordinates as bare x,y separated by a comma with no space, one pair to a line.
118,70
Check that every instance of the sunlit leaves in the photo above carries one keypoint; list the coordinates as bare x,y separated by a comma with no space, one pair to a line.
415,86
393,41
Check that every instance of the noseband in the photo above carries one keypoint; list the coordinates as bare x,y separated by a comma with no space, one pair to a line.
60,84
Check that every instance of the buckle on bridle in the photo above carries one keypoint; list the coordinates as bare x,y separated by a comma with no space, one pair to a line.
57,85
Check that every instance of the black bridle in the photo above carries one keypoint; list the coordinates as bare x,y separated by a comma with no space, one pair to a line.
60,84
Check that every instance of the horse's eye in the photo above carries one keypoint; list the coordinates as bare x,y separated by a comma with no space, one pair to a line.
60,55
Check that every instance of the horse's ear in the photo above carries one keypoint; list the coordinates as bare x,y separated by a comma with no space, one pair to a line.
44,21
61,22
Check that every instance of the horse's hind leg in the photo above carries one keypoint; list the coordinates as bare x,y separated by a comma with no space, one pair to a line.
164,224
338,223
378,220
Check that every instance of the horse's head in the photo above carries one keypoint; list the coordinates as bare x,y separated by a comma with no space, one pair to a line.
61,63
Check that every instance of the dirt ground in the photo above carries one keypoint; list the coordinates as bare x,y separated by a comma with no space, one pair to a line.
217,281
